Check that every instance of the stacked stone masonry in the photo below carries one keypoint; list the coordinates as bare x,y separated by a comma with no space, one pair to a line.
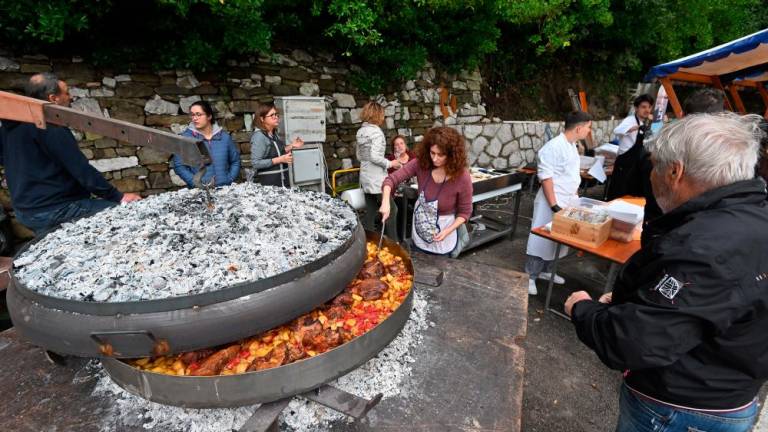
162,100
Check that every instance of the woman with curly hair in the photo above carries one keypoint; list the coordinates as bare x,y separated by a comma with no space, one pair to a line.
445,192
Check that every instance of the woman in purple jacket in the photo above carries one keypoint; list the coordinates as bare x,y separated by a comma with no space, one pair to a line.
225,159
445,192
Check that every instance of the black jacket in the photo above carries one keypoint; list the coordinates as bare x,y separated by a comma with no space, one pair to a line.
45,168
689,317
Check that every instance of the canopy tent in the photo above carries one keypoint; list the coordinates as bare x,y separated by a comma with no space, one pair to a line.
733,65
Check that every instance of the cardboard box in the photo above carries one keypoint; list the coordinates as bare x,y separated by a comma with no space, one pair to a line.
585,233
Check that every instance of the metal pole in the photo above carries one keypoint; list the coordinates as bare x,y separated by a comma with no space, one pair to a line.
551,282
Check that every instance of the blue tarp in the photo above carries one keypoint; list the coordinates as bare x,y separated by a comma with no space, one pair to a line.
738,46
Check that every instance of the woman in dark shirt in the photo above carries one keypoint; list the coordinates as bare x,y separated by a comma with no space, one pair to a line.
400,151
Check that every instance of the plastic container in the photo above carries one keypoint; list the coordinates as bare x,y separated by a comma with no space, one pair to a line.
626,219
590,203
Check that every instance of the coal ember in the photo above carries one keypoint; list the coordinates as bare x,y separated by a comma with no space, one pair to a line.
171,245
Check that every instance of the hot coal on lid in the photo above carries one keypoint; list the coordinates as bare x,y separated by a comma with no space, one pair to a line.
172,245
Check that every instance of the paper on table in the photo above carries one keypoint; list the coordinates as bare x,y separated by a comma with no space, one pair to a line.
597,170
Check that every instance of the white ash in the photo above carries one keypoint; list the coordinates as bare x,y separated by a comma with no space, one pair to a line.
171,245
385,374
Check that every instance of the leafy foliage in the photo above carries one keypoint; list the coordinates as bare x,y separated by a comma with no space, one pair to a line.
515,40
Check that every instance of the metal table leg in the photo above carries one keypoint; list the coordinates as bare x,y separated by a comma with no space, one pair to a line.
517,213
553,272
612,273
404,218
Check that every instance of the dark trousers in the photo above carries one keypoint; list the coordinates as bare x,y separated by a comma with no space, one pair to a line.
39,221
372,217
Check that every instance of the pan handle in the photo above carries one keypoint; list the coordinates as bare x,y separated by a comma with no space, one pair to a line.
159,346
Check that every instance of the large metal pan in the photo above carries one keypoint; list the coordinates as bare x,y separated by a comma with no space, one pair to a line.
270,384
145,328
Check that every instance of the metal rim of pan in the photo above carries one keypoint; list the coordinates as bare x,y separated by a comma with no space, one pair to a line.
181,302
222,391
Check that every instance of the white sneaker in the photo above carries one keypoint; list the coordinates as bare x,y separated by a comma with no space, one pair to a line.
532,287
546,276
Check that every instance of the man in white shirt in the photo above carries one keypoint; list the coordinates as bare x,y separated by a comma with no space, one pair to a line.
558,172
626,131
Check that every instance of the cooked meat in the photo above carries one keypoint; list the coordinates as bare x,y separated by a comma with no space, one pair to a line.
371,289
344,298
277,357
194,356
336,312
295,352
332,338
372,270
306,329
215,363
397,270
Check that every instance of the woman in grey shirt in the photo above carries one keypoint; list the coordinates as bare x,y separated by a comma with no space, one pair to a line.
270,156
371,147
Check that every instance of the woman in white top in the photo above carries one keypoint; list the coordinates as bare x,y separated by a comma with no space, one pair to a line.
371,147
558,172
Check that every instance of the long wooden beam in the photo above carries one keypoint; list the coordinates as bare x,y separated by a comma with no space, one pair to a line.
40,113
691,77
676,107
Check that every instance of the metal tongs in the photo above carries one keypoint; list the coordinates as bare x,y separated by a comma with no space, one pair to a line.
207,188
381,236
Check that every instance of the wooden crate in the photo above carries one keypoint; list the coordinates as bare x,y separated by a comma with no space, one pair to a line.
591,235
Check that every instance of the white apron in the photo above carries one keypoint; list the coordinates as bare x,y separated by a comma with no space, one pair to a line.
560,160
542,215
427,223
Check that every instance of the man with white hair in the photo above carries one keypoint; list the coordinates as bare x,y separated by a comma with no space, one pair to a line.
688,321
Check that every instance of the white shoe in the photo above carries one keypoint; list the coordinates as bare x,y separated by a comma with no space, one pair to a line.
546,276
532,287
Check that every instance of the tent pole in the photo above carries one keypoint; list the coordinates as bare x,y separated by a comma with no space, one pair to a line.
719,85
764,95
676,108
737,99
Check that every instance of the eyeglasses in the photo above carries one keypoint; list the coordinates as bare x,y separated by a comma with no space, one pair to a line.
273,115
196,114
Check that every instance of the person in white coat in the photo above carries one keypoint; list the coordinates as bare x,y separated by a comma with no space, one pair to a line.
627,130
558,171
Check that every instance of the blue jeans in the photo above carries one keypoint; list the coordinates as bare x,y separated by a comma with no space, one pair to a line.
637,414
40,221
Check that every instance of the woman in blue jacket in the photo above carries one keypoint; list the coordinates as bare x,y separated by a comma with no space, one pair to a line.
225,158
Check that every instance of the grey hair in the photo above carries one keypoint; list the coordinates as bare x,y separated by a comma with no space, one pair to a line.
42,85
715,149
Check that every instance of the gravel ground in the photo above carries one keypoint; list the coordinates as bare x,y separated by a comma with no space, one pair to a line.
567,388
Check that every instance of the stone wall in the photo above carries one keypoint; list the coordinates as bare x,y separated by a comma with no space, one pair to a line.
161,99
512,144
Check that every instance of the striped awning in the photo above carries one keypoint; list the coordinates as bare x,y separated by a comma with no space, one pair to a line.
742,59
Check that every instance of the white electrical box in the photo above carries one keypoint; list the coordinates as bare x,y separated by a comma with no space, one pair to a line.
304,117
301,116
308,168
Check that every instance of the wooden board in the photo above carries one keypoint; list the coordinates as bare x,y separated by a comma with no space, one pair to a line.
468,370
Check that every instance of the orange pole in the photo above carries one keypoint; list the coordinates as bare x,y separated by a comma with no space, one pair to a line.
737,99
764,95
583,101
719,85
585,108
678,110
